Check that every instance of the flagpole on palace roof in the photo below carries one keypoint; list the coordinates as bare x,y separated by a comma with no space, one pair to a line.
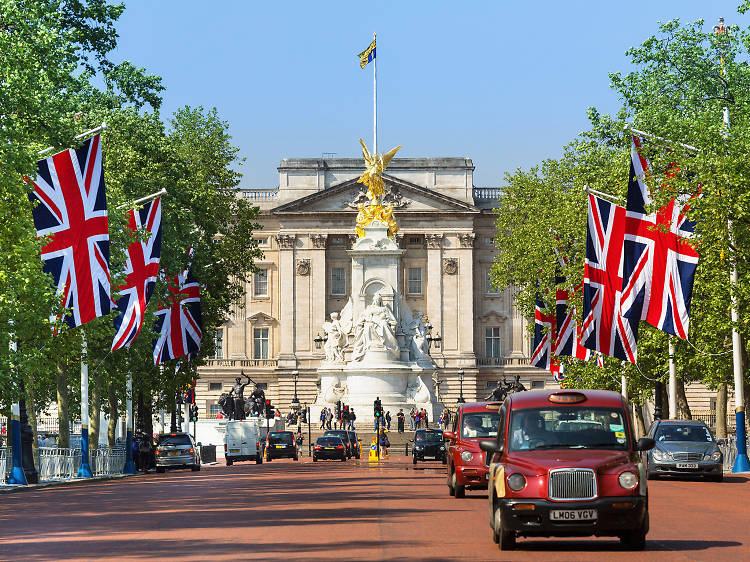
102,127
375,98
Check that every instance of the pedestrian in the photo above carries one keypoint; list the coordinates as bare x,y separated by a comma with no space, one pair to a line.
400,420
412,421
323,418
352,417
424,417
384,443
388,420
418,418
329,418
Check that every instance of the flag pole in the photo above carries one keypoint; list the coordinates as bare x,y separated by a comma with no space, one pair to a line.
375,98
102,127
162,191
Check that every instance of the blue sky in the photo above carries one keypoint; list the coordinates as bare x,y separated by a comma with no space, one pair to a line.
504,83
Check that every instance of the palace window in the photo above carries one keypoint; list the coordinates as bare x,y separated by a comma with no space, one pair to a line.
492,342
214,410
219,344
338,281
260,283
414,281
489,287
260,343
215,386
415,240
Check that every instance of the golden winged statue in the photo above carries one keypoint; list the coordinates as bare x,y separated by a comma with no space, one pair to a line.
372,178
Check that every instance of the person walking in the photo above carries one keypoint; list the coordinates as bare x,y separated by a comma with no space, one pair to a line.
352,417
329,419
388,420
424,417
384,443
412,421
323,418
400,420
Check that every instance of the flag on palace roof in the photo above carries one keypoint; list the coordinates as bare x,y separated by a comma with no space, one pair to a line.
367,56
658,262
142,269
72,211
178,320
604,329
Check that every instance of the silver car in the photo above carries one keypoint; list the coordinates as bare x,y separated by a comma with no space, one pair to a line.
684,448
177,450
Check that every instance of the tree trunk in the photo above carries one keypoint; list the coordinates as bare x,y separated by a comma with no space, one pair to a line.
721,412
95,408
640,424
113,414
682,402
63,417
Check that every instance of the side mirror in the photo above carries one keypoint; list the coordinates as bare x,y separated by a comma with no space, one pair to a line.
491,446
645,444
450,435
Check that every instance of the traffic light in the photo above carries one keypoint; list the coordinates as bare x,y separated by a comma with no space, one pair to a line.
269,410
378,408
338,410
194,412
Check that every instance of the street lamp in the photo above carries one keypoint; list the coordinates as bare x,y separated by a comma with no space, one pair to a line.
461,387
295,401
432,339
318,339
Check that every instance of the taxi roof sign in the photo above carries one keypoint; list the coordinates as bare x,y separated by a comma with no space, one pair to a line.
567,397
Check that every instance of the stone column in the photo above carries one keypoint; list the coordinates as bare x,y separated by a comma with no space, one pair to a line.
286,297
466,299
435,287
319,282
517,328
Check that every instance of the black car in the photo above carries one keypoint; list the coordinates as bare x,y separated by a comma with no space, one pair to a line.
281,444
355,444
344,437
684,448
429,445
329,447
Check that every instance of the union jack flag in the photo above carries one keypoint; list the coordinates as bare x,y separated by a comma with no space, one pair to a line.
659,264
178,322
568,340
604,328
72,210
142,268
544,335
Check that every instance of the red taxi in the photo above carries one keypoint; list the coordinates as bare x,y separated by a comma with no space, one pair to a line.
467,463
565,463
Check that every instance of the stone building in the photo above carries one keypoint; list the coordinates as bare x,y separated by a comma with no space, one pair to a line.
446,229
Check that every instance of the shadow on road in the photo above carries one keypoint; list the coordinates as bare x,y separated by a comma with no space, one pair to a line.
615,546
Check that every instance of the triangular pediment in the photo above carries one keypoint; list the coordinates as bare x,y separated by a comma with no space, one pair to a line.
408,198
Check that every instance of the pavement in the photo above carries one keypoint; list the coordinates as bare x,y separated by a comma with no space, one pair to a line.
333,510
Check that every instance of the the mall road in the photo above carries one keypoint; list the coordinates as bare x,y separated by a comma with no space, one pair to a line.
337,511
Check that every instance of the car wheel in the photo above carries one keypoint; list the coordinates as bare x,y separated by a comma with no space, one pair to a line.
506,540
445,461
451,491
343,459
296,458
414,460
315,459
160,469
268,459
458,490
195,468
229,462
259,459
719,478
652,476
636,540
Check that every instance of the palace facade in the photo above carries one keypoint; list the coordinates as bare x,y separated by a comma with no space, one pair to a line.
447,229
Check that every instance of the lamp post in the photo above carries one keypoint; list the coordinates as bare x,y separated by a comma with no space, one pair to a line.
461,387
432,339
318,339
295,401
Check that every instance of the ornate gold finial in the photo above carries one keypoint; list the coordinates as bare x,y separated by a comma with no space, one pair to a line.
372,177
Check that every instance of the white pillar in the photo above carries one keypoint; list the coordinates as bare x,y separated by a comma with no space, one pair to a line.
672,382
624,386
129,404
84,386
162,416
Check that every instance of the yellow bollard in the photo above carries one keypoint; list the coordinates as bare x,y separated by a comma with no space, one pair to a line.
373,457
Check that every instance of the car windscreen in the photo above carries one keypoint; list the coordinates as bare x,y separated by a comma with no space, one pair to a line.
173,441
344,436
683,432
568,427
429,436
281,437
479,424
329,441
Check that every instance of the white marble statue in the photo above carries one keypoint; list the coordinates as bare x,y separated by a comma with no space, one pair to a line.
417,391
419,348
375,329
335,339
332,389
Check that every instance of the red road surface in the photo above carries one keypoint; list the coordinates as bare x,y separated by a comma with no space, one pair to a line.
332,510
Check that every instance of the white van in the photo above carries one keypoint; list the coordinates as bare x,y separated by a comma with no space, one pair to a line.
242,441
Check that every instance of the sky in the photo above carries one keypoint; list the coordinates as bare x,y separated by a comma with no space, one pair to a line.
506,84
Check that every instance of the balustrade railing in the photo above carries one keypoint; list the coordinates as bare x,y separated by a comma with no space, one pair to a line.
501,361
486,193
241,362
260,194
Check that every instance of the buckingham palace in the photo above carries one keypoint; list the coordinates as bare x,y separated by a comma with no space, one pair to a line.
446,242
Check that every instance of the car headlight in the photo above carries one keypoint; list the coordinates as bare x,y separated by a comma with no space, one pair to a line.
628,480
660,455
516,482
715,456
442,448
466,456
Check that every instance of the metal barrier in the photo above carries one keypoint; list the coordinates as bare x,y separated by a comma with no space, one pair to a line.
729,451
58,464
4,465
107,461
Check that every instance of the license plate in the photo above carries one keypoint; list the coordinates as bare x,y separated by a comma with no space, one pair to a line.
329,448
573,515
279,446
429,458
234,450
687,465
174,453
